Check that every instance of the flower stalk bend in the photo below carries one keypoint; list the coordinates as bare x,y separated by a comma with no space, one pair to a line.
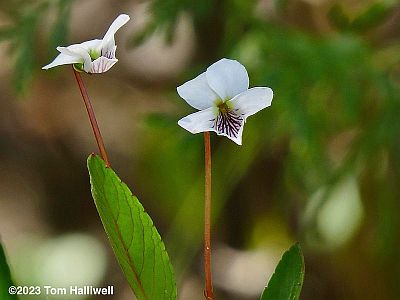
208,293
92,117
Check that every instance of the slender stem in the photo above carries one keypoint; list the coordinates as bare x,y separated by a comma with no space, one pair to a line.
208,293
92,118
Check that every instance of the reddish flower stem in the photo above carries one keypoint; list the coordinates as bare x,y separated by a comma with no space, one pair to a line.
92,117
208,292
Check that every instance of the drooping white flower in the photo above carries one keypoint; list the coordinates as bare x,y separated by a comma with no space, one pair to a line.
94,56
224,99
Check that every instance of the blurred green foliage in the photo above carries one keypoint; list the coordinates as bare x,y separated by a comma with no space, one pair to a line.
5,277
23,19
374,15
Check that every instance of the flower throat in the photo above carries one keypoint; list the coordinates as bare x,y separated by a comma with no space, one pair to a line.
228,120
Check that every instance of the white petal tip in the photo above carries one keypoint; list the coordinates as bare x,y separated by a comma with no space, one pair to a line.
122,19
228,59
270,91
268,95
179,91
50,66
237,140
197,122
186,125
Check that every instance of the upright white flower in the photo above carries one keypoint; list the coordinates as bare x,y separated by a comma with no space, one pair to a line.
94,56
224,99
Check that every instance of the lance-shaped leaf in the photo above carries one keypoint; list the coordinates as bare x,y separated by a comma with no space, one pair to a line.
286,282
133,237
5,277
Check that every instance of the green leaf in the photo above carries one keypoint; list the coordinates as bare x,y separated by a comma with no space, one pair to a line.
133,237
60,29
5,278
286,282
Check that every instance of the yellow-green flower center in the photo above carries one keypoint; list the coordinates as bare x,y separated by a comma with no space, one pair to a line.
79,67
94,54
223,108
228,120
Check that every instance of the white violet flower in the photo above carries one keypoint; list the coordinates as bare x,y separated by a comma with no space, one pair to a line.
224,99
94,56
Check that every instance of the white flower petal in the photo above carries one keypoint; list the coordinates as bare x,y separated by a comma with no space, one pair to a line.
227,78
63,59
108,44
78,50
230,124
102,64
120,21
200,121
237,139
92,45
110,52
197,93
81,53
252,101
